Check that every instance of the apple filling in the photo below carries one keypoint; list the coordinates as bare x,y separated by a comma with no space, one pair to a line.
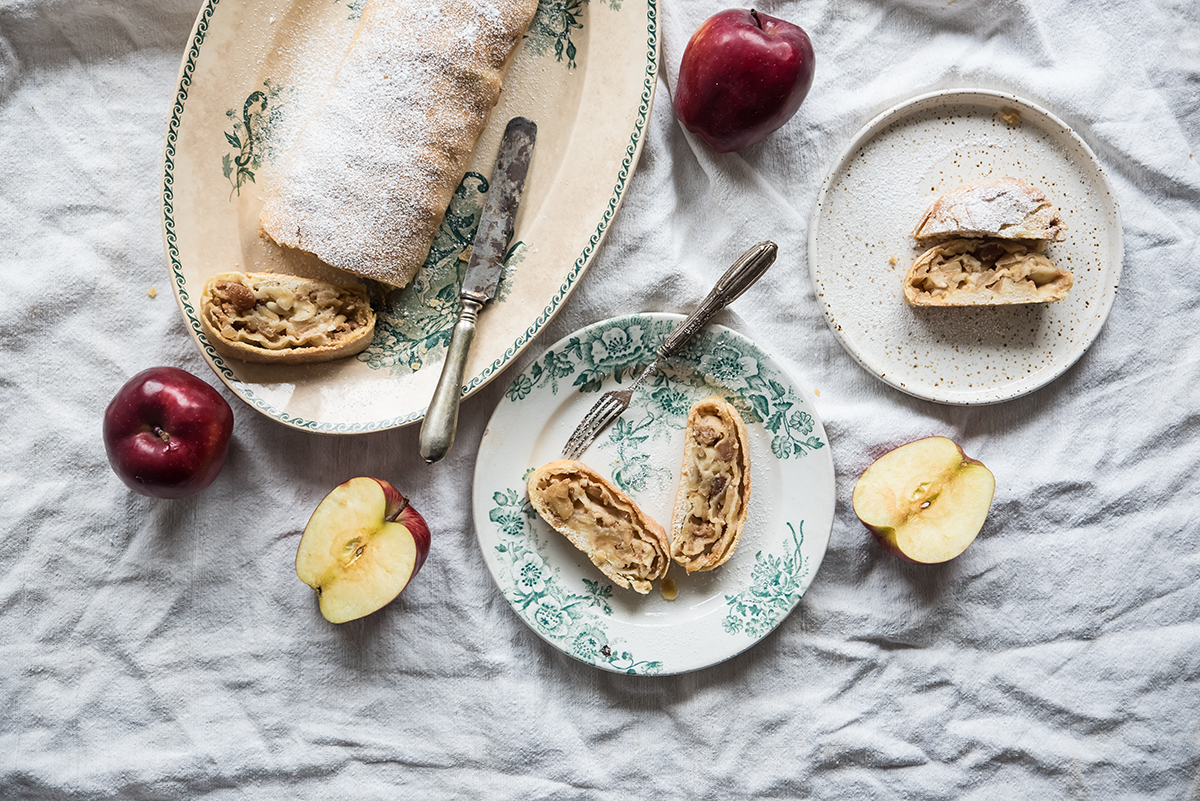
278,314
601,521
714,487
983,272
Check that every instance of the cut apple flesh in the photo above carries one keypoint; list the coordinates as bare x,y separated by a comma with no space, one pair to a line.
354,558
926,500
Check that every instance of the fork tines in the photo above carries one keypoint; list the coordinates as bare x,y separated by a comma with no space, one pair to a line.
610,406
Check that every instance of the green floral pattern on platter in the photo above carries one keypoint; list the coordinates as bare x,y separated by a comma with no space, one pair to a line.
251,135
777,582
355,8
574,621
553,24
414,323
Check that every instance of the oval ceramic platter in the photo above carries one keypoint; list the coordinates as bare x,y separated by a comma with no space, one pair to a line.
585,72
556,589
860,246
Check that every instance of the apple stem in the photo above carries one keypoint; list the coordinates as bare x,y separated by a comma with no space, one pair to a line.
163,435
757,21
394,516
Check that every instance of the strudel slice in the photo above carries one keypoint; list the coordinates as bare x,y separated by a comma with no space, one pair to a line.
985,272
283,319
1006,208
603,522
712,501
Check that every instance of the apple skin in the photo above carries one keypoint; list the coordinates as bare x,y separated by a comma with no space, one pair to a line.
925,501
361,548
743,75
167,433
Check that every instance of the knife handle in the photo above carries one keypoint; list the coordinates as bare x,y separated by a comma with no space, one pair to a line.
441,418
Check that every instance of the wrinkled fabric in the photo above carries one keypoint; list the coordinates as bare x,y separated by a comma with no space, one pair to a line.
166,650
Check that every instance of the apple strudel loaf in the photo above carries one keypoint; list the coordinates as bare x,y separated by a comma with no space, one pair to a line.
284,319
603,522
368,178
712,501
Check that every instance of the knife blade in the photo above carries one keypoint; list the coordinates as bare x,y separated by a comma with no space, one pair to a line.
480,281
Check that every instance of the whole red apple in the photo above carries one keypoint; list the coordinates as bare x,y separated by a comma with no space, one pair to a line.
743,75
167,433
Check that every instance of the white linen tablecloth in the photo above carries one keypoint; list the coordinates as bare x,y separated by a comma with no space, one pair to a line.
166,650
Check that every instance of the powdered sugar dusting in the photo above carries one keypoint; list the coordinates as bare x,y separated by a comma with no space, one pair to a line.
985,208
369,176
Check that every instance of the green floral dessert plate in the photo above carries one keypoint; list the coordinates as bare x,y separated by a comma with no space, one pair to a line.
585,72
687,622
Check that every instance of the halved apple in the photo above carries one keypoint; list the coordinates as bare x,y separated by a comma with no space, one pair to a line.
925,501
361,547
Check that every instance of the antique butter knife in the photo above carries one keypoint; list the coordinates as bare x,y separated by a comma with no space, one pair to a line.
479,283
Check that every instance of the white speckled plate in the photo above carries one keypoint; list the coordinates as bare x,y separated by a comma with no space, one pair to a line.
558,592
860,247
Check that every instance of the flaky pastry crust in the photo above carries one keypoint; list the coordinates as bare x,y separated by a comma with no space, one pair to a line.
713,498
284,319
603,522
1007,208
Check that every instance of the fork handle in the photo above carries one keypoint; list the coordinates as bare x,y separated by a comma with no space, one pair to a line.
736,280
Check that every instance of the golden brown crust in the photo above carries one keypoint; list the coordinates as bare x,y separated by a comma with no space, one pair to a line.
713,498
1007,208
985,272
283,319
603,522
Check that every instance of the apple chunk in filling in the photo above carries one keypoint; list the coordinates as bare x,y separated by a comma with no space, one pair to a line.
925,501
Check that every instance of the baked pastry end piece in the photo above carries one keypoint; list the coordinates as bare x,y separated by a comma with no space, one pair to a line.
603,522
983,272
1006,208
714,487
284,319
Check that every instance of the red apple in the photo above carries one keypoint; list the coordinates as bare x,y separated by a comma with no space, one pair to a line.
925,501
743,75
167,433
361,547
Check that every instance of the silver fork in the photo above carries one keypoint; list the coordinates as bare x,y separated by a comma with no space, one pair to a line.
612,404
